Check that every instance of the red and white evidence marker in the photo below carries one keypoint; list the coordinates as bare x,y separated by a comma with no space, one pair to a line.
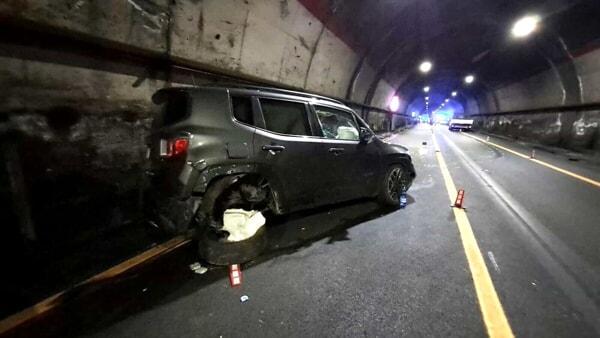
459,199
235,275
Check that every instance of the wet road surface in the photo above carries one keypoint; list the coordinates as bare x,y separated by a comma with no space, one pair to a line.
359,270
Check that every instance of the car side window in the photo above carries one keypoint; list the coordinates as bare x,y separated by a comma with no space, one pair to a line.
242,109
285,117
337,124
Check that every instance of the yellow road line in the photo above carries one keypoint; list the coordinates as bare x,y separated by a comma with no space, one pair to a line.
545,164
53,301
494,318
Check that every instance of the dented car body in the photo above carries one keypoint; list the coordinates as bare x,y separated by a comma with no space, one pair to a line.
214,148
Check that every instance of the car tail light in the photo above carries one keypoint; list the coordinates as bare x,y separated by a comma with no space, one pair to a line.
173,147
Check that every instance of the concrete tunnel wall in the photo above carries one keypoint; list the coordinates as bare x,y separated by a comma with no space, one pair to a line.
76,128
569,127
270,40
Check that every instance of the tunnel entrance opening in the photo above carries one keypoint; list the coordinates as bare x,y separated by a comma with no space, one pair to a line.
435,108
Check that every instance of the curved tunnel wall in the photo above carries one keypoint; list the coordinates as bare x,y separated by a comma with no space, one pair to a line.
557,107
278,42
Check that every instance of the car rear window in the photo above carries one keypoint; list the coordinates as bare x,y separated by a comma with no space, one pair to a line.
285,117
175,106
242,109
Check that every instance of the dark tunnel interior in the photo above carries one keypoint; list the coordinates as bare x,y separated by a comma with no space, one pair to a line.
76,122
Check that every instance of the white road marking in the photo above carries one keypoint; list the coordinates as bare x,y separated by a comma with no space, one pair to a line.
493,260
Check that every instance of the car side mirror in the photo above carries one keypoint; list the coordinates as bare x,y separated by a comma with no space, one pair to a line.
365,135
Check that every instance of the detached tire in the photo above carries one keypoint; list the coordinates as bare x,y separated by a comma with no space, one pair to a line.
217,251
227,193
389,191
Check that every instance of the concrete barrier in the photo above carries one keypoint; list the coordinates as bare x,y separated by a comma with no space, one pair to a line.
575,130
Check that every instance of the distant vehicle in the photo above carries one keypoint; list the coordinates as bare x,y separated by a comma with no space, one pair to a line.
261,149
460,124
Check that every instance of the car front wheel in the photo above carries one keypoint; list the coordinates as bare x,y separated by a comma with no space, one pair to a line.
389,193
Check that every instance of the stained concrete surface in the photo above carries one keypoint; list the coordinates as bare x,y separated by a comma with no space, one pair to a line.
252,39
570,129
356,269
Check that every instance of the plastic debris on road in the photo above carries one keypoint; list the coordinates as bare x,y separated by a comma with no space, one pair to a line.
244,298
403,199
198,268
235,275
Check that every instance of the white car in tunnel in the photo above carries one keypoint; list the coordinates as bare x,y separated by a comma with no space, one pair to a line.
460,124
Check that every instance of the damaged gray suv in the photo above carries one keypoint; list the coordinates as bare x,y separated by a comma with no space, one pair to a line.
214,149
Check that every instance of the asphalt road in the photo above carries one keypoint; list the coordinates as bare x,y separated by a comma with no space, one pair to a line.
359,270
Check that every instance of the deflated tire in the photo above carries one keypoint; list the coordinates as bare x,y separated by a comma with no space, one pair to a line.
216,250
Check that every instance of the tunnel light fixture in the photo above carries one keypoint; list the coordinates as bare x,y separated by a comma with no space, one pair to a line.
426,89
525,26
469,79
425,67
446,100
426,98
395,103
454,94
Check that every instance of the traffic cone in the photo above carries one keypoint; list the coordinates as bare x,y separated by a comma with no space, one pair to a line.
459,199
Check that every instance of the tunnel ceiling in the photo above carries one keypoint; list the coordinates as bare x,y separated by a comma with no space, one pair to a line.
460,37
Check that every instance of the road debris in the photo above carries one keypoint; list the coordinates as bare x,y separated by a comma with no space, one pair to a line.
493,260
244,299
235,275
198,268
403,199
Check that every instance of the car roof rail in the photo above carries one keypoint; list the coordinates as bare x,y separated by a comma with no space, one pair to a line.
274,90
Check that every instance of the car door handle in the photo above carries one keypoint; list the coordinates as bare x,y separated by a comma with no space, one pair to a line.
273,147
336,151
